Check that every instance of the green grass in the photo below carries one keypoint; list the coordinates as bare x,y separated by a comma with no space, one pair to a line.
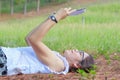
96,31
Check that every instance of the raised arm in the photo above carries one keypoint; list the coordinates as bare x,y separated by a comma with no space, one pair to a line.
42,51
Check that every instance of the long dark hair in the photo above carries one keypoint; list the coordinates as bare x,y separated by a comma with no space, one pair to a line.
87,63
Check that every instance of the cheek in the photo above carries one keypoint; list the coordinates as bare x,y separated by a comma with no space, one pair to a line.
76,56
68,55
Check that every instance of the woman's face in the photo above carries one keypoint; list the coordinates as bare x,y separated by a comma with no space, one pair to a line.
74,56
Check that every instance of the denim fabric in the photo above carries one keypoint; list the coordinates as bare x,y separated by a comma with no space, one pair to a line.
3,63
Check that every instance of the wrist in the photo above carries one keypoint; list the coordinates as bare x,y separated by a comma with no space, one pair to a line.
53,18
57,17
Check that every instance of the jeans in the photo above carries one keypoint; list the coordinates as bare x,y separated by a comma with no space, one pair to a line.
3,63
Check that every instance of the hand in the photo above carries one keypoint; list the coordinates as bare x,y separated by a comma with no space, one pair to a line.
63,12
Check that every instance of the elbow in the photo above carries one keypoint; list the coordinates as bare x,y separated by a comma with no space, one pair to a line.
29,40
26,39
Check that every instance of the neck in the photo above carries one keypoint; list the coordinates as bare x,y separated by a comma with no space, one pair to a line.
70,64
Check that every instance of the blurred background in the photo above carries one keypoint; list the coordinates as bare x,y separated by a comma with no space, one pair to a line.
24,6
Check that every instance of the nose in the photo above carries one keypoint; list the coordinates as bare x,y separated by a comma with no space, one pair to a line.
74,51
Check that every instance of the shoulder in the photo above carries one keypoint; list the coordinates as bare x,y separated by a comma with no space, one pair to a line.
65,63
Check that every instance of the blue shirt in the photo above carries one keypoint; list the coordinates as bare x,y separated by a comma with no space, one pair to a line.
24,60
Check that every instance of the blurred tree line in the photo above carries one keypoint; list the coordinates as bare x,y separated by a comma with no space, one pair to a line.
13,6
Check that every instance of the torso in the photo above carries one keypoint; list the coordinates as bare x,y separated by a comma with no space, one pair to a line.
24,60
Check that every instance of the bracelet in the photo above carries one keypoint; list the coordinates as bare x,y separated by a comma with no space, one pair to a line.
52,17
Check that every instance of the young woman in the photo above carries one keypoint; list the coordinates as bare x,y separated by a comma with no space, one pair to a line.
38,58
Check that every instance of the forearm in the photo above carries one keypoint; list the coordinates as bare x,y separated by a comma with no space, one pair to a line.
39,32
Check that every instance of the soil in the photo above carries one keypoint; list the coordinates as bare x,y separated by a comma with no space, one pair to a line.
107,69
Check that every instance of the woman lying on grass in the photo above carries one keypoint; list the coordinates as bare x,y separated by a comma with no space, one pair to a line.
38,58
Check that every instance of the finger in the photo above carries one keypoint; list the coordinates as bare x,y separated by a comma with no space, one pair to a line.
65,9
71,11
69,8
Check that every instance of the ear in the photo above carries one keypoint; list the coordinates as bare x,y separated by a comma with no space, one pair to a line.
76,65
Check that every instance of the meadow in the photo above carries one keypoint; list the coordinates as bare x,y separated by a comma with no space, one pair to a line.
96,31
